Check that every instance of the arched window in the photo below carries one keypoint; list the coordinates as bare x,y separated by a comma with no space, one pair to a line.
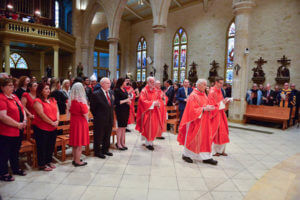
141,57
179,55
17,62
229,53
56,14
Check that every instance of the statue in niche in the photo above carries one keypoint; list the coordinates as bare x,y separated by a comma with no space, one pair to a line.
258,73
49,71
80,70
193,77
70,72
213,71
283,73
165,76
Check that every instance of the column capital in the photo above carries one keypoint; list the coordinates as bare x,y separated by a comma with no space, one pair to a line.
55,48
112,40
242,6
158,28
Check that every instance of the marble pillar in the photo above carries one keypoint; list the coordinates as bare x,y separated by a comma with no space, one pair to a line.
84,59
42,64
241,9
159,33
56,63
6,56
113,57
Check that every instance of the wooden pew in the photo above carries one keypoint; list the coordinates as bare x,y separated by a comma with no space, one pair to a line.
268,113
173,117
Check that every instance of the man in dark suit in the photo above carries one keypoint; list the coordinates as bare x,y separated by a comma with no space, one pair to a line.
102,110
170,93
182,96
268,96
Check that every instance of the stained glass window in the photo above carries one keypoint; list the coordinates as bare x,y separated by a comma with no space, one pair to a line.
179,55
230,54
56,14
141,60
101,64
16,61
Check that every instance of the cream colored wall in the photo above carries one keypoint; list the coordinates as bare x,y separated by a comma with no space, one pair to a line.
274,31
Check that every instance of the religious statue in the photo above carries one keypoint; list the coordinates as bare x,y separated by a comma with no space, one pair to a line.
129,76
70,72
213,71
80,70
283,73
193,77
154,71
258,73
49,71
165,76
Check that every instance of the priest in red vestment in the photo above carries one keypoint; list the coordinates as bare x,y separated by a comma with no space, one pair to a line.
149,120
195,127
164,100
131,94
219,120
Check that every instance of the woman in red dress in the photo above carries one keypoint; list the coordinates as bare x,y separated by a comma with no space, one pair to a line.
28,98
79,128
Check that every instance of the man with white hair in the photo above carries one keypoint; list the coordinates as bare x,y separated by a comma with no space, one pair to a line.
195,131
268,96
149,120
102,110
4,75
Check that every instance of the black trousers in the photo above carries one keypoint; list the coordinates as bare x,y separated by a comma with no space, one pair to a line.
102,134
9,151
45,143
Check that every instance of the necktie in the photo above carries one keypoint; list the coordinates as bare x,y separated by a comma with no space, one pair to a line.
108,99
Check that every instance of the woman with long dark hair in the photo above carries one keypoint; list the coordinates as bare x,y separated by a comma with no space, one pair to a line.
22,87
122,112
28,98
45,126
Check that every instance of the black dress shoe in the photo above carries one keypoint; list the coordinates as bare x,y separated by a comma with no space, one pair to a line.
108,154
210,161
160,138
125,148
187,159
121,149
79,165
127,130
73,162
101,156
150,147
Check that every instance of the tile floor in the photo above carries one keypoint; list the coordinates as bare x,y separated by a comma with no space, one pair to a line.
162,174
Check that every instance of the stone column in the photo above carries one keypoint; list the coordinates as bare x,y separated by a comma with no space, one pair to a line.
1,55
241,9
159,31
6,56
113,57
84,59
42,64
56,63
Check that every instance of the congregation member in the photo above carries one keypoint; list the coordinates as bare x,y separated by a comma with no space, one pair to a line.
102,109
58,95
149,118
176,88
22,87
122,109
164,99
285,96
182,95
12,124
87,87
170,93
15,83
294,102
132,95
220,132
93,80
28,98
65,87
45,126
268,96
79,128
195,130
261,88
276,93
254,96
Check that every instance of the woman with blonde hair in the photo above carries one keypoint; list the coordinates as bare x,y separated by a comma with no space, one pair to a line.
79,128
65,87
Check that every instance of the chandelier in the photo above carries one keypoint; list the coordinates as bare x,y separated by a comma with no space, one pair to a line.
141,2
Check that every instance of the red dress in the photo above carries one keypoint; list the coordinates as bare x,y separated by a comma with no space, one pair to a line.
29,104
79,128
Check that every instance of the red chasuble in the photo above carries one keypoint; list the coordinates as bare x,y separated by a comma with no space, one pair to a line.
131,119
219,120
194,132
163,102
149,122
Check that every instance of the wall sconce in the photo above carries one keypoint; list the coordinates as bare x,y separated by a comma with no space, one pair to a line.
9,6
37,12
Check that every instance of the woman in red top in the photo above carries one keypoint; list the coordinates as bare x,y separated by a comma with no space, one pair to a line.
28,98
45,126
12,124
79,128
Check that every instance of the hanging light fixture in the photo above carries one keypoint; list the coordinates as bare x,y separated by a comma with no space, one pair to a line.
141,2
9,6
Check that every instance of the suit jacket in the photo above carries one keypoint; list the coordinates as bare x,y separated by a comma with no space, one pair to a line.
180,97
270,100
170,93
100,108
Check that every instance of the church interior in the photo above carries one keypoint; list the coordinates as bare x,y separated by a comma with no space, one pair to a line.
253,44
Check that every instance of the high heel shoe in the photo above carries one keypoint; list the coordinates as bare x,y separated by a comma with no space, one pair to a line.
121,149
79,165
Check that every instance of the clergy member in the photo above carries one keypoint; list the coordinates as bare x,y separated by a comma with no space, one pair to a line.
164,100
149,120
220,131
131,94
195,131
